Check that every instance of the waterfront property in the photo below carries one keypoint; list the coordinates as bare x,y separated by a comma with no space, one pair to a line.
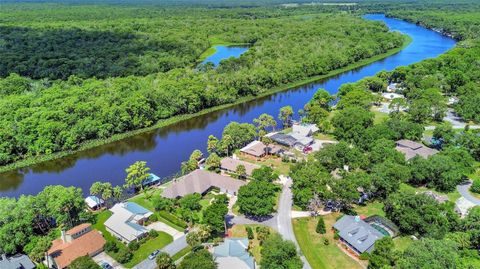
18,261
357,234
201,181
152,179
300,137
127,220
230,165
411,149
77,242
233,253
258,149
94,203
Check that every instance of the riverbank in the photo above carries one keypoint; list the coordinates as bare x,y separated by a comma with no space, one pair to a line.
163,123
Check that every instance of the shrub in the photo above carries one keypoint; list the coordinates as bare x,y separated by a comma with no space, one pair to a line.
123,255
364,256
321,226
336,236
326,242
111,246
250,234
153,218
134,245
153,234
475,186
172,218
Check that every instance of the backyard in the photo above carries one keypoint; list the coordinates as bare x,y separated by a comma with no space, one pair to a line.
319,255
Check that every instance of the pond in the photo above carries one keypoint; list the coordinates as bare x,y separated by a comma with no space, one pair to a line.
164,149
224,52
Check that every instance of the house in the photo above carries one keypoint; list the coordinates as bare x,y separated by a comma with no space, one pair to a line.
201,181
94,203
79,241
233,253
292,140
127,220
152,179
18,261
356,234
304,129
393,87
258,149
463,206
411,149
230,165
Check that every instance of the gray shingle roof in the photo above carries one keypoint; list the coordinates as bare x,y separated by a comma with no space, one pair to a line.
231,164
233,253
19,261
412,149
357,233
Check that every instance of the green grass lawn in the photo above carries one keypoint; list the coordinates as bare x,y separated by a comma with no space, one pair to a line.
402,242
452,196
319,255
374,208
148,247
99,225
182,253
145,199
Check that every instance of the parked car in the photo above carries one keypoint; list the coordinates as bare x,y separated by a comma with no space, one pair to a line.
105,265
153,254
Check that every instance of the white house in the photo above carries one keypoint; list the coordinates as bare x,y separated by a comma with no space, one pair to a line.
127,220
94,203
463,206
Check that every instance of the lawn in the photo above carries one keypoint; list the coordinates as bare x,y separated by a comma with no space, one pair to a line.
452,196
239,231
148,247
181,253
324,136
100,220
145,200
373,208
319,255
274,162
402,242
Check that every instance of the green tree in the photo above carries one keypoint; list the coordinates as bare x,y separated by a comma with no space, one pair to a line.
241,171
164,261
285,115
212,144
213,161
430,253
136,174
198,259
265,121
84,262
350,123
264,173
257,198
198,235
190,201
41,245
214,216
117,193
278,253
475,186
320,226
383,254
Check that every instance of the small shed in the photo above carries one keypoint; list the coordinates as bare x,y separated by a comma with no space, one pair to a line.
151,180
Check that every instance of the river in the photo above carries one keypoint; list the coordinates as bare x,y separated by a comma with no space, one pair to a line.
165,148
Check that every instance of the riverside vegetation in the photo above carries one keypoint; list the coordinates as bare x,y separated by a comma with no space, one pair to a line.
58,96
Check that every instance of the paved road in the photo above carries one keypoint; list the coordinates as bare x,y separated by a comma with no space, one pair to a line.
284,218
171,249
463,189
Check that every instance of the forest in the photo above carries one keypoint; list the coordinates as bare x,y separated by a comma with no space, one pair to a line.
60,96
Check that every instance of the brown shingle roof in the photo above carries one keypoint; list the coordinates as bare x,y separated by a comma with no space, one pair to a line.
78,228
199,181
412,149
231,164
255,148
64,253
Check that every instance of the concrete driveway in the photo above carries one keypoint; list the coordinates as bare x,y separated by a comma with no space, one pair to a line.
463,189
162,227
103,256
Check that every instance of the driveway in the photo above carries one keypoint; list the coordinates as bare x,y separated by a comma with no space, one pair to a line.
162,227
171,249
104,257
463,189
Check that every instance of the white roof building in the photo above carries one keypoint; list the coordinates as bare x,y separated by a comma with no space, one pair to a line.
390,95
462,206
94,202
126,221
304,129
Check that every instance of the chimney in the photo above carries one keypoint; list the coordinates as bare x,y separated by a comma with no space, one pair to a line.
64,236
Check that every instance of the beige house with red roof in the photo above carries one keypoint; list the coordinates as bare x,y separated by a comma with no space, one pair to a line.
77,242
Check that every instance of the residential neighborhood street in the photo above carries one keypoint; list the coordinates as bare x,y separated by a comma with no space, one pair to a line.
463,189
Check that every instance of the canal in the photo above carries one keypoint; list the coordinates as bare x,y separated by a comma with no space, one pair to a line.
165,148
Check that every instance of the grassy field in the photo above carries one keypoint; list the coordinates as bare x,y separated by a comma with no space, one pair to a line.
148,247
239,231
402,242
452,196
181,253
374,208
145,199
274,162
319,255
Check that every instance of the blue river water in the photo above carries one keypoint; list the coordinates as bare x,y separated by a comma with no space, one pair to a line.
164,149
224,52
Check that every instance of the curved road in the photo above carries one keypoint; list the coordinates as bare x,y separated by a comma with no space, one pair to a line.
463,189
